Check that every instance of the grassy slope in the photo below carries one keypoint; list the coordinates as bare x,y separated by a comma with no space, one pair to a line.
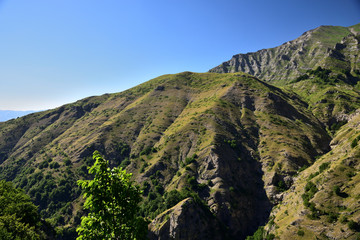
331,101
334,208
246,135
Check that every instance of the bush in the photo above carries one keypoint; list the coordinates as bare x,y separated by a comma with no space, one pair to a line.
67,162
343,219
191,159
332,217
124,163
353,226
148,150
44,164
172,198
303,168
54,165
159,189
300,233
354,143
323,167
338,192
310,190
302,77
258,234
281,186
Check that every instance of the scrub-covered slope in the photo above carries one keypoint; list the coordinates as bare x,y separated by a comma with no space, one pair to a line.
229,141
324,201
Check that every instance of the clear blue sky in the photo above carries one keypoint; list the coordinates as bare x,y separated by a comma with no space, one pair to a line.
56,52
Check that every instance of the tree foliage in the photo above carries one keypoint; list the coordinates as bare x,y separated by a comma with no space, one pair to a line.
112,200
19,218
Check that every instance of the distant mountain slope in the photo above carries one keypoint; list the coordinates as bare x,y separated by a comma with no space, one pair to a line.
292,59
8,114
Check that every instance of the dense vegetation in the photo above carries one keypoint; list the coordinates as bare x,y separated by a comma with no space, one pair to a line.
19,218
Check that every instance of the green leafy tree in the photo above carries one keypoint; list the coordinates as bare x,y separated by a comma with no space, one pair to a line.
19,218
112,200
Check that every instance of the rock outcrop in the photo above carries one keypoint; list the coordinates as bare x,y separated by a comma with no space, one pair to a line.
186,220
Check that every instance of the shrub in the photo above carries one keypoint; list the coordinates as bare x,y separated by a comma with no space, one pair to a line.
159,189
124,163
44,164
332,217
67,162
300,233
281,186
355,142
323,167
338,192
54,165
310,190
191,159
353,225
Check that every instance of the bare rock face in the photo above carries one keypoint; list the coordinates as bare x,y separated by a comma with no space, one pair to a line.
186,220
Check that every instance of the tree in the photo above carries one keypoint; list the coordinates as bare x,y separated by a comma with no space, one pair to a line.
19,218
112,200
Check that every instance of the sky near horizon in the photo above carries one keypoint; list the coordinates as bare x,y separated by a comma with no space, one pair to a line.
56,52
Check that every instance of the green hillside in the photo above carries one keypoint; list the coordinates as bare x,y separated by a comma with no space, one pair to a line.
218,155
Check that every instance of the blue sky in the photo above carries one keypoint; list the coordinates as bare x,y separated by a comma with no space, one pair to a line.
59,51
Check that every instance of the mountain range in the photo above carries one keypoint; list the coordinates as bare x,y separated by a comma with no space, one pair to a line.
262,146
6,115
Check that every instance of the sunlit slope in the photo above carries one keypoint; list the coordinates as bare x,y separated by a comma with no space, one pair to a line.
284,63
230,139
323,203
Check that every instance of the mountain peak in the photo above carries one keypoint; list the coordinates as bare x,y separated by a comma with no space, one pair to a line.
289,60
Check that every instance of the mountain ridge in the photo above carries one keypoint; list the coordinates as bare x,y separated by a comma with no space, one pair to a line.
51,138
6,115
291,59
223,153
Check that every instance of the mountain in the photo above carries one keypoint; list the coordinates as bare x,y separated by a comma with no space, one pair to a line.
324,201
218,155
292,59
8,114
217,135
